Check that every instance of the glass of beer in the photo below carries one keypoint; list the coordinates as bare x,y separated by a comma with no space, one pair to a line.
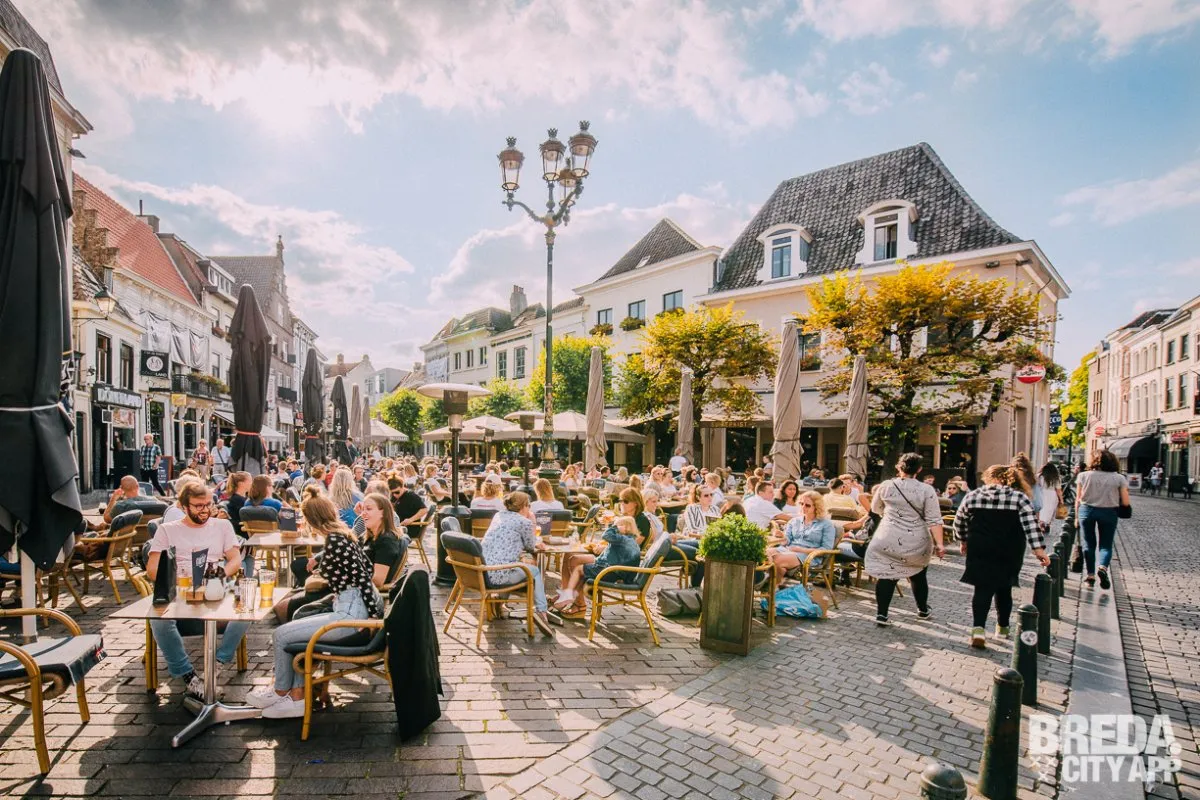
266,587
183,572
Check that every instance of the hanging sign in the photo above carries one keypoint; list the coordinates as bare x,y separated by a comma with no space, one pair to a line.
1031,373
154,364
1055,419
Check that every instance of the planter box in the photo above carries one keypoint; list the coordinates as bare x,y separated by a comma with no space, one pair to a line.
728,606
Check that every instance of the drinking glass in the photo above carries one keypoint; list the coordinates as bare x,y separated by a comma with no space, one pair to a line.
266,587
247,587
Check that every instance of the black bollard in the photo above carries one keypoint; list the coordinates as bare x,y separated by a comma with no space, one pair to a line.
942,782
1060,574
1043,587
1024,657
1002,738
1052,571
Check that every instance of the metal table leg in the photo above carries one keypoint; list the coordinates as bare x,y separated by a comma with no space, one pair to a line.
285,569
211,712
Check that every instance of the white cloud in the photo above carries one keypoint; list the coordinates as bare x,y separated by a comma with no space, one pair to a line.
1118,24
284,60
855,19
1062,220
964,79
869,91
1121,201
938,56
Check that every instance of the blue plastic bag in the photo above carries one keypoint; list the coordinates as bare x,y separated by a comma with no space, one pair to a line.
793,601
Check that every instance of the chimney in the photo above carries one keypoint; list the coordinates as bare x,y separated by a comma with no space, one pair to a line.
279,247
341,359
516,301
150,220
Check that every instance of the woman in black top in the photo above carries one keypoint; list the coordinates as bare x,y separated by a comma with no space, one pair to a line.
384,545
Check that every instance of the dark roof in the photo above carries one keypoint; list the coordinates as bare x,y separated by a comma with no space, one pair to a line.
567,305
665,240
259,273
827,204
1148,318
491,318
186,259
85,284
25,36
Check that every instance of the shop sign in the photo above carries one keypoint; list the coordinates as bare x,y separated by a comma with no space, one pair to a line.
1055,419
1196,437
124,418
112,396
178,400
1179,437
1098,430
155,364
1031,373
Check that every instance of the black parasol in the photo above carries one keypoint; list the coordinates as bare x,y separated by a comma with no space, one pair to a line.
39,498
313,400
341,419
249,371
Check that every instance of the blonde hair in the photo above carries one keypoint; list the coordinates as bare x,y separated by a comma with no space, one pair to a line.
341,490
322,516
626,525
543,490
519,500
635,482
1006,475
818,501
492,489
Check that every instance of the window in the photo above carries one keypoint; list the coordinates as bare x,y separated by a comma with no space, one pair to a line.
103,359
519,363
1182,391
673,300
718,271
887,231
810,352
781,258
216,366
483,356
458,361
1171,352
604,316
502,365
1098,404
637,309
1169,396
470,358
1183,347
784,246
127,367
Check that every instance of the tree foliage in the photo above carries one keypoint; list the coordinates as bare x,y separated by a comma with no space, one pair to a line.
1075,405
433,414
505,398
402,410
726,355
936,343
572,364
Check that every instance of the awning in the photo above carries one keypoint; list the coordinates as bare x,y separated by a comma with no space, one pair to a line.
1146,446
226,416
271,435
286,417
382,432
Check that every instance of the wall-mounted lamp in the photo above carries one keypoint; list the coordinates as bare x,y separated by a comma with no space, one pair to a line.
992,264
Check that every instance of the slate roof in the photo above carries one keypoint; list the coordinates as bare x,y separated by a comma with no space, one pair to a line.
664,241
827,204
491,318
568,305
138,247
25,36
1147,318
85,284
257,271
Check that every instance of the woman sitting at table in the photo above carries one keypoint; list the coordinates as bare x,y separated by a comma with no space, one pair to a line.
807,532
701,510
650,511
624,549
344,496
570,477
662,482
546,501
490,495
511,534
788,495
260,493
346,567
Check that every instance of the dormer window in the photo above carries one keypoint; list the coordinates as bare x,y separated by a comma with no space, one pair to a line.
887,232
785,251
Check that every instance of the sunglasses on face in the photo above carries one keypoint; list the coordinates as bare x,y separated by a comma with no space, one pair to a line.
806,505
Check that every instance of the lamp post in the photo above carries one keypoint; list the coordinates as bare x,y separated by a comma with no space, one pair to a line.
564,166
454,397
1071,423
527,420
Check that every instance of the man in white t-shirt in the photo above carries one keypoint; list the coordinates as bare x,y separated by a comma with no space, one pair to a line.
761,509
221,458
678,462
198,530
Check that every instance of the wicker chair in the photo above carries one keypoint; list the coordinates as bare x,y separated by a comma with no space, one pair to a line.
416,532
102,553
608,590
481,520
465,554
33,673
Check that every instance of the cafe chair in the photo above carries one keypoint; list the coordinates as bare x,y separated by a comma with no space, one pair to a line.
33,673
589,521
465,554
416,532
608,590
259,519
481,520
101,553
817,568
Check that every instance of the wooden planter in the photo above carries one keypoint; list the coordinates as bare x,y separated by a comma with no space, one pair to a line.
727,606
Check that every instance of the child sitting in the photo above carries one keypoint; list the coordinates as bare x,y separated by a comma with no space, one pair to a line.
624,550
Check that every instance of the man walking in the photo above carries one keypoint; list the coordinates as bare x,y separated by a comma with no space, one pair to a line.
151,456
220,460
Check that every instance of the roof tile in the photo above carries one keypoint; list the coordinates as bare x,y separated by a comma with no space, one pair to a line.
665,240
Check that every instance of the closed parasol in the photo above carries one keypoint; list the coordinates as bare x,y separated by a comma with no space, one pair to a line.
249,372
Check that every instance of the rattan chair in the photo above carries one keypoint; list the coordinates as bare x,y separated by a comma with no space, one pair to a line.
465,554
102,553
607,590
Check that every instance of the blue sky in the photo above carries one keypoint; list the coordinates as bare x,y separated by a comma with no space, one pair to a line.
366,133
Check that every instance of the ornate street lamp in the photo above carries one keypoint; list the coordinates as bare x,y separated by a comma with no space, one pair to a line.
564,166
1071,423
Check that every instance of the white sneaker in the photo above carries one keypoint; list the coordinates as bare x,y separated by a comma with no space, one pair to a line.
263,697
284,708
195,686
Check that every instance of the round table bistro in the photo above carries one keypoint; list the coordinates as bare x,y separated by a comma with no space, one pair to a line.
277,541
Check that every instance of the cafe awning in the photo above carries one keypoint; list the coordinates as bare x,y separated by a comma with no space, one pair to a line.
271,435
1146,446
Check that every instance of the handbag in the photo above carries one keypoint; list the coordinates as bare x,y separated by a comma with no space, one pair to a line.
1124,511
679,602
1061,511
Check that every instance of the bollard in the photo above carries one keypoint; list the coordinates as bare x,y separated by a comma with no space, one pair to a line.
1060,578
1024,657
942,782
1053,572
1002,738
1043,586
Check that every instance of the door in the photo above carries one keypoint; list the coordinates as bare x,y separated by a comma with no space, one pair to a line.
958,446
99,451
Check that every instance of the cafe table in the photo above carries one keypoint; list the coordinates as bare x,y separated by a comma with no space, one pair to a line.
288,544
553,553
209,710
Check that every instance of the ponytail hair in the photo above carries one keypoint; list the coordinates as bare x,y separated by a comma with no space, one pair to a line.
1006,475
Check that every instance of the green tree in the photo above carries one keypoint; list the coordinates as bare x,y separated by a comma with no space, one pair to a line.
505,398
402,410
433,415
1074,405
572,365
726,355
936,343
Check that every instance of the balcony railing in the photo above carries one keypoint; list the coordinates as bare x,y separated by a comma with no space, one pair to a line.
285,394
196,387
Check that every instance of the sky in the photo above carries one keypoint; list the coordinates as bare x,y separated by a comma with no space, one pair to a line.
366,132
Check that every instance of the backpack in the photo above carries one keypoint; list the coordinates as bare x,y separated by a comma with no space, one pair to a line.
794,601
679,602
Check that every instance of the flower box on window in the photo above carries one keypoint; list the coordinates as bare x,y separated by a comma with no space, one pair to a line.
632,323
602,329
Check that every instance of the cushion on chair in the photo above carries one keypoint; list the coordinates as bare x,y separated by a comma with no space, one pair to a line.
462,543
258,514
71,657
450,524
361,643
637,580
124,520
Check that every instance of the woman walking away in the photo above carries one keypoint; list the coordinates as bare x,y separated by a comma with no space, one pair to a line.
1050,479
1101,490
901,546
993,524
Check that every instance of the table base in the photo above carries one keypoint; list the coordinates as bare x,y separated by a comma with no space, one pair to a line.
208,715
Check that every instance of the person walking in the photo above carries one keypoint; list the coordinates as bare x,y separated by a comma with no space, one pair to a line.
1156,478
901,546
149,457
993,524
221,458
1050,481
1101,491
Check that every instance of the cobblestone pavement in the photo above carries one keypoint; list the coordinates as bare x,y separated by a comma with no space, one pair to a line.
1157,584
831,708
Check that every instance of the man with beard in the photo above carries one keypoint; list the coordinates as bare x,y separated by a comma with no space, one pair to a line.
199,529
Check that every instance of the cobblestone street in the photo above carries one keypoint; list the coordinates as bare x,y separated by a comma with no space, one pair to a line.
1158,602
832,708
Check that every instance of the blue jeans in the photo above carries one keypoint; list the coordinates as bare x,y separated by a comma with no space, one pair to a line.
1096,520
539,590
347,604
170,642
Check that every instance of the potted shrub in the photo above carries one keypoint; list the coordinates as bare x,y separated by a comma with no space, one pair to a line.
632,323
602,329
731,547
